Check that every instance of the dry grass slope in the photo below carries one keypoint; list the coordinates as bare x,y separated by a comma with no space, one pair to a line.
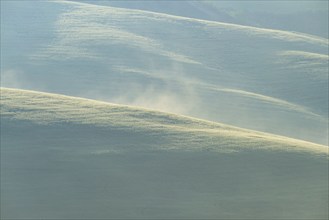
185,132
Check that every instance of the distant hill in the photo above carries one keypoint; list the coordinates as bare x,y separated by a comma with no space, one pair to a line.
310,17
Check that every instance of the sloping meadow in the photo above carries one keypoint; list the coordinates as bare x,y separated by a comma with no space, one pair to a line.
66,157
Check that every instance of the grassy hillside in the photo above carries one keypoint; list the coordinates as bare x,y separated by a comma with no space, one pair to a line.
66,157
306,17
274,81
49,109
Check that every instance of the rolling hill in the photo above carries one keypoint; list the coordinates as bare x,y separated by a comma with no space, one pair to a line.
308,17
252,77
68,157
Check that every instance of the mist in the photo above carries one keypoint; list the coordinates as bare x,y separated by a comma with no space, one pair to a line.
233,72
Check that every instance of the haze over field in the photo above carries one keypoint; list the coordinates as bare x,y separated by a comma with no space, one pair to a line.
275,81
168,109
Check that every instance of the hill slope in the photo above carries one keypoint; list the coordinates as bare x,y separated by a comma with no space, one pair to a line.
205,69
308,17
65,157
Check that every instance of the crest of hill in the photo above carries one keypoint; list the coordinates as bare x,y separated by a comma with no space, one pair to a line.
181,132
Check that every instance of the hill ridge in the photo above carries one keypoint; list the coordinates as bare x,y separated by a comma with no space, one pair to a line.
47,108
276,32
